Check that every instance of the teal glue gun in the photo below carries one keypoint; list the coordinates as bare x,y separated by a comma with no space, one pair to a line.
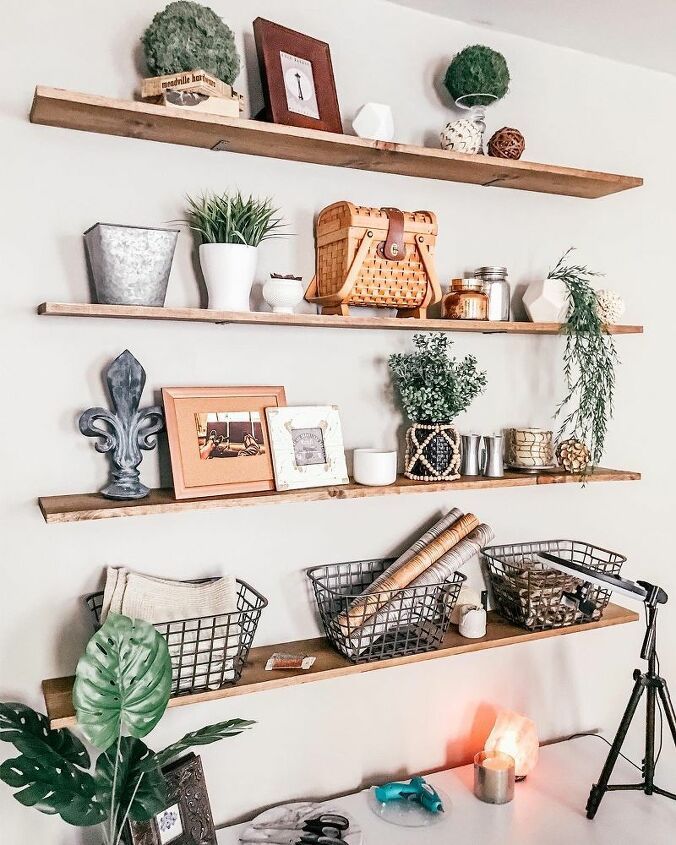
417,790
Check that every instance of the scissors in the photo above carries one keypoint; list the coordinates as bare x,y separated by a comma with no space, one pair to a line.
324,829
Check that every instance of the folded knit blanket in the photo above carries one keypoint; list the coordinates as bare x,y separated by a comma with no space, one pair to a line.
202,638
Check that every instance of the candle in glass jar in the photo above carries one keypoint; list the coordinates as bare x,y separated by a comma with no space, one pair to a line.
494,777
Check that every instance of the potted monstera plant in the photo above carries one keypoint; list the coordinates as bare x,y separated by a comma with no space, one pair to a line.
434,388
121,690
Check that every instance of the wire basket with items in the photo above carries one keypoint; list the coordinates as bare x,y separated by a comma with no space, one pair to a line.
376,609
207,651
531,594
389,623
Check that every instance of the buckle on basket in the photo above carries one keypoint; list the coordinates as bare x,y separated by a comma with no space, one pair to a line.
393,248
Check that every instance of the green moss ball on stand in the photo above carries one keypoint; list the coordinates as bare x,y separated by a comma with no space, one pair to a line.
477,70
189,36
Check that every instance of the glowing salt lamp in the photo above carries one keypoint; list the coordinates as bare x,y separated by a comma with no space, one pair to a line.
517,736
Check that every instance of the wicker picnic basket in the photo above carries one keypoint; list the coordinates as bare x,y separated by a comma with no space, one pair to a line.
375,256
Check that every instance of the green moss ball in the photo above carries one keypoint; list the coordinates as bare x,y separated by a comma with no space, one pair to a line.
189,36
477,70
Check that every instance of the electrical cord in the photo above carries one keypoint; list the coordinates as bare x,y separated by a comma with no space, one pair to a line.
607,742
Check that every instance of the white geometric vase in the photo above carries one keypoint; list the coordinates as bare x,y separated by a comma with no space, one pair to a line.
546,301
374,121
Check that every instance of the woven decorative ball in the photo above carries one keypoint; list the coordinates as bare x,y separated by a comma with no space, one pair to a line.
573,455
507,143
610,306
462,136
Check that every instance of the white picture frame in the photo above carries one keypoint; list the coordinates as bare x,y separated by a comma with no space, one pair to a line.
307,447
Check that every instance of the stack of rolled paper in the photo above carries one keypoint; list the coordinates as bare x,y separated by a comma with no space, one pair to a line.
433,559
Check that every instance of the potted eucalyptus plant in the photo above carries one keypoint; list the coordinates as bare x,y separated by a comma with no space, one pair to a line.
230,228
121,690
434,388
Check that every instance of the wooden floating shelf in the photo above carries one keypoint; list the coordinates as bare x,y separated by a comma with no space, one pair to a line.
205,315
80,507
330,664
91,113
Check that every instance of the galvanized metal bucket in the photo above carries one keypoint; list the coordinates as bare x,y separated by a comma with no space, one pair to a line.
130,264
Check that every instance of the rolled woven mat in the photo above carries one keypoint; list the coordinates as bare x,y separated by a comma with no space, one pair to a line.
389,616
395,579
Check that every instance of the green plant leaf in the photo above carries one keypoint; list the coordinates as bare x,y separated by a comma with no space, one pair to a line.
204,736
29,733
122,680
140,788
53,785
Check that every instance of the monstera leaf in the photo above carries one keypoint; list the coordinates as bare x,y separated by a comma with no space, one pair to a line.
52,785
205,736
29,733
140,789
122,680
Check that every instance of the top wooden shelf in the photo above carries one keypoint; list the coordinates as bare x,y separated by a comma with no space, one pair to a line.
72,110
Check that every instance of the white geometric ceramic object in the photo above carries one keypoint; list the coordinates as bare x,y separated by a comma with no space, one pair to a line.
546,301
374,121
610,306
462,136
282,295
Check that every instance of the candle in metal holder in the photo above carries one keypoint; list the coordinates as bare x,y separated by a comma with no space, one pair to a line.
494,777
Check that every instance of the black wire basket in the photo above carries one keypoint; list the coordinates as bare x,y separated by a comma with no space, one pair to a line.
208,652
398,623
531,594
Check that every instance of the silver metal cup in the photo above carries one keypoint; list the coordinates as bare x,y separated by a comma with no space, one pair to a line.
494,462
494,777
471,454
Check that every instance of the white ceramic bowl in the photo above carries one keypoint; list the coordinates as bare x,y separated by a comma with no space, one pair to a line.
374,467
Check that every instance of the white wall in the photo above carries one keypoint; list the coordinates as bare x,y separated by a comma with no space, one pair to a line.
334,736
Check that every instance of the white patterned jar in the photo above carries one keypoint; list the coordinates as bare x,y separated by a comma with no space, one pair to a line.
283,293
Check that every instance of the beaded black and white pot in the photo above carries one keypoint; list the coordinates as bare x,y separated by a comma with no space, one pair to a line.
432,452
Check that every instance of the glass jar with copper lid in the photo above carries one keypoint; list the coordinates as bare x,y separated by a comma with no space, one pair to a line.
466,300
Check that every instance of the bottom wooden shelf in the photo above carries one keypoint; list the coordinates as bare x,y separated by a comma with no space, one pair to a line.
330,664
78,507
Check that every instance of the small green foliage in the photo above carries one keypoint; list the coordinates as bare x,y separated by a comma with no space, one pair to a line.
432,386
233,219
589,361
477,70
189,36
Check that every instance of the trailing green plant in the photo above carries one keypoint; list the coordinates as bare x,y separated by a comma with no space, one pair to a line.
477,70
432,386
189,36
121,690
589,361
231,218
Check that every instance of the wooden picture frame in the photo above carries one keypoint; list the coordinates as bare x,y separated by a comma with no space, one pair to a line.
187,818
297,77
218,439
307,447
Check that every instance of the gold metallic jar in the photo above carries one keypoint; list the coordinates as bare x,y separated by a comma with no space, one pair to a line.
466,300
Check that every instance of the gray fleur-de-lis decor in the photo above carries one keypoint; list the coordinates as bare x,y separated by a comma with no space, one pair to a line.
126,431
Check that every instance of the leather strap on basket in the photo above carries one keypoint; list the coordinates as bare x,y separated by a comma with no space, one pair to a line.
393,248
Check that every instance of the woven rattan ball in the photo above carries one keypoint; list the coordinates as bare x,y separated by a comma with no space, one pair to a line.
573,455
507,143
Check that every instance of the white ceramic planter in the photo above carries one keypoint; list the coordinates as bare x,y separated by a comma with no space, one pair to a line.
282,295
229,271
374,468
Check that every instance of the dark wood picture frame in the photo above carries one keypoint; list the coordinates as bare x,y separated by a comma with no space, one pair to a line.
276,45
188,799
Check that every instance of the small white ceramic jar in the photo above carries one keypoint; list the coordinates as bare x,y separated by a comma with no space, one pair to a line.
283,293
374,467
472,622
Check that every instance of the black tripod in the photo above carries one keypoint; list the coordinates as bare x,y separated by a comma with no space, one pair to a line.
655,685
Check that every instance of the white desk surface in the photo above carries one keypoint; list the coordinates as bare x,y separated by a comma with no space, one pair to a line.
548,808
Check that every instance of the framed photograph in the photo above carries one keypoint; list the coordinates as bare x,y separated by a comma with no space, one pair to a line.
297,77
218,439
307,447
187,819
